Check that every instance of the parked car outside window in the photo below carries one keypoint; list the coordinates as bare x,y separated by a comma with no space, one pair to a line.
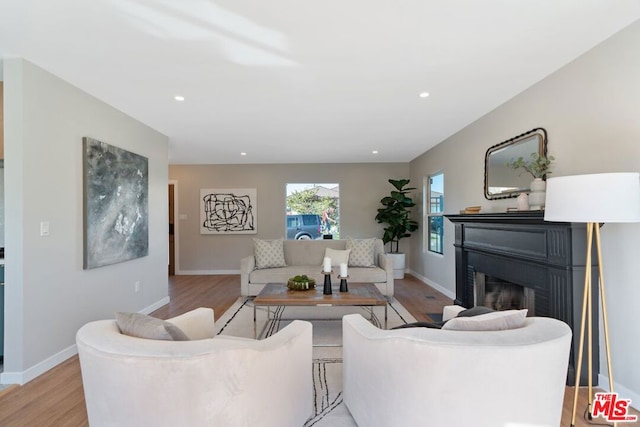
304,227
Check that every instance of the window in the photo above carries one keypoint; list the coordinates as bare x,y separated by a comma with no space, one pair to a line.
434,208
312,211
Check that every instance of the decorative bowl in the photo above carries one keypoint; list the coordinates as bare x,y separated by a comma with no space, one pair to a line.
301,283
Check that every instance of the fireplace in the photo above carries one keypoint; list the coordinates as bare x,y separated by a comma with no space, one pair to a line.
528,263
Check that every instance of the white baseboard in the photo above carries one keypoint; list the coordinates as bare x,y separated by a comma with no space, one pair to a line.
205,272
23,377
38,369
434,285
156,305
623,392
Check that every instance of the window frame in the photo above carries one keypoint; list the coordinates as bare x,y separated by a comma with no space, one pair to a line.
429,215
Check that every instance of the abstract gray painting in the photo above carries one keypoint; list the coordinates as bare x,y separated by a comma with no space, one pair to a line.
228,211
116,204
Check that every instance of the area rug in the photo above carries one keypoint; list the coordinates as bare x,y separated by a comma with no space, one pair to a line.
329,409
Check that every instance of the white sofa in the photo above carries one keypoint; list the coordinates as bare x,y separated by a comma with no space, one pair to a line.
305,257
422,376
220,381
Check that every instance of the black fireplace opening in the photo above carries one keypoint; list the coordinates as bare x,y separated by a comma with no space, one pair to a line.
498,294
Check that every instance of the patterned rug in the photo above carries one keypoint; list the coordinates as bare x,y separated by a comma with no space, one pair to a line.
329,410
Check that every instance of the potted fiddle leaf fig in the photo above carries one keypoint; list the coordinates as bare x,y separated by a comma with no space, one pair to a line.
396,214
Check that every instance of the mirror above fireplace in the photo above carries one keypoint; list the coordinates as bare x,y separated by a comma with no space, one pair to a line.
502,181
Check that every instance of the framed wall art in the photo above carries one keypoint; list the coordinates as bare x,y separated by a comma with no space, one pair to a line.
228,211
116,204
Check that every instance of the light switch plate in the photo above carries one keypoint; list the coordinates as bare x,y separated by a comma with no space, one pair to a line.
44,228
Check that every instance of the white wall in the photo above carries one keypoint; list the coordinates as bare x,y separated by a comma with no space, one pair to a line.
590,110
48,295
361,188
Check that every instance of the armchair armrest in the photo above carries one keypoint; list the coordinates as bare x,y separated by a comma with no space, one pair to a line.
196,324
451,311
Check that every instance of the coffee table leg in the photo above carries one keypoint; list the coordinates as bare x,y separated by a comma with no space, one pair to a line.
385,316
257,335
255,329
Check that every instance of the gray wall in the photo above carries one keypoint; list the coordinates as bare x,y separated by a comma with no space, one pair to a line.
590,110
48,295
361,188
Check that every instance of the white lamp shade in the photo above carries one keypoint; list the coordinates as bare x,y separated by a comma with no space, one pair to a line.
601,197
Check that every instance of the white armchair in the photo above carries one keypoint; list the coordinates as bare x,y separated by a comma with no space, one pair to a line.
220,381
422,376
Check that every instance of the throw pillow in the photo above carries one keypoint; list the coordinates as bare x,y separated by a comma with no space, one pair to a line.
362,252
143,326
436,325
337,256
269,253
473,311
496,321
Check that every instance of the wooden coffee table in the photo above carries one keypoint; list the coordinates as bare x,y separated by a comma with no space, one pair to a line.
360,294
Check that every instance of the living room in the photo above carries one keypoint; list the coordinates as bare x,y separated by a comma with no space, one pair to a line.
588,107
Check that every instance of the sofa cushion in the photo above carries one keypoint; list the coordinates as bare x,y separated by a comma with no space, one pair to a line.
337,256
362,252
281,275
365,274
496,321
143,326
269,253
309,252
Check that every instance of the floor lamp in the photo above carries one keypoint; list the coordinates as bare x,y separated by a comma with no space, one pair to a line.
593,199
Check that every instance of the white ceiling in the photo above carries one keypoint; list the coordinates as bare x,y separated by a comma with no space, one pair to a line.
290,81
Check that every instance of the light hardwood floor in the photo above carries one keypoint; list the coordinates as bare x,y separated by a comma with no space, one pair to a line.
56,397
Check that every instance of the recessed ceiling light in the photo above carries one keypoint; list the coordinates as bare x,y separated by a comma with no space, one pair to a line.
179,98
243,154
374,152
424,94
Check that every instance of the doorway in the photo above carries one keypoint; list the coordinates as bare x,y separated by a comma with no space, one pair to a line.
172,244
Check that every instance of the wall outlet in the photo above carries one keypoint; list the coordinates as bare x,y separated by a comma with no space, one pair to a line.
136,287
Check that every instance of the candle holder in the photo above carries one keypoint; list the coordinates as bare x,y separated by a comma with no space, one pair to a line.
327,283
343,283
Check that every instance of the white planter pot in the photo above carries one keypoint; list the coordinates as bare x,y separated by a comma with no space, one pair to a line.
538,185
538,194
398,264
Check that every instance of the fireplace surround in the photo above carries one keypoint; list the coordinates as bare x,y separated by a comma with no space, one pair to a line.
545,258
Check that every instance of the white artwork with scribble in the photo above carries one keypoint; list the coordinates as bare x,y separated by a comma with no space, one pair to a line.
228,211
